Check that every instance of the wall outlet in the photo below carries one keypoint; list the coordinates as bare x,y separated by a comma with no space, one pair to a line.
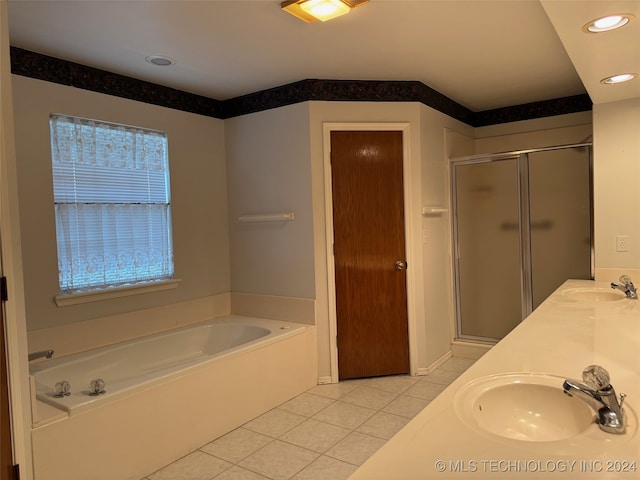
622,243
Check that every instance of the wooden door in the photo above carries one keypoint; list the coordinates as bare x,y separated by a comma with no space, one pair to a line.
369,240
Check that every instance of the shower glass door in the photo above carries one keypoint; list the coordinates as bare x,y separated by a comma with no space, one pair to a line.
560,218
487,247
522,226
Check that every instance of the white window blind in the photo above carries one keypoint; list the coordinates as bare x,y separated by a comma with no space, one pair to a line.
112,204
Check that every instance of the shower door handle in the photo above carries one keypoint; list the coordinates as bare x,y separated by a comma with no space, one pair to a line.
400,265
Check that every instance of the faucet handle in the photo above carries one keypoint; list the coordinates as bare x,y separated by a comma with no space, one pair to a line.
596,377
62,389
622,397
626,279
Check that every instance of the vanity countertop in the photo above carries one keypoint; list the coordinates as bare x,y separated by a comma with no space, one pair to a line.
560,338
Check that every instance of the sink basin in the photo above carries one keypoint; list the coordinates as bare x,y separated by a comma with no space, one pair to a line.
524,407
594,294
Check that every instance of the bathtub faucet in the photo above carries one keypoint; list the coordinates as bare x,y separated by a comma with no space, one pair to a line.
40,354
626,285
601,396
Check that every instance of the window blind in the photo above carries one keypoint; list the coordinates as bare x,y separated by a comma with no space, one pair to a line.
112,204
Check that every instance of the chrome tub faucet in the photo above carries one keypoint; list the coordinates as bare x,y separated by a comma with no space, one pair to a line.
40,354
626,285
601,396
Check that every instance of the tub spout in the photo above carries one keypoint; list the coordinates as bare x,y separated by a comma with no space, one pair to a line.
41,354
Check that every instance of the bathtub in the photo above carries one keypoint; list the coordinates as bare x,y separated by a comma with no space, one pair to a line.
136,364
165,395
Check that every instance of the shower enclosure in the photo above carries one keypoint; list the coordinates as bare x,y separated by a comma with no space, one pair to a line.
522,225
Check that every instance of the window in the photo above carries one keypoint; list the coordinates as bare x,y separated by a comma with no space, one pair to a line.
112,204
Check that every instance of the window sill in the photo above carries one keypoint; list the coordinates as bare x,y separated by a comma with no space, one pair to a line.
78,298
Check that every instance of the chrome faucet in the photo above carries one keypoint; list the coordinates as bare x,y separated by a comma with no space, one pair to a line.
626,285
40,354
601,396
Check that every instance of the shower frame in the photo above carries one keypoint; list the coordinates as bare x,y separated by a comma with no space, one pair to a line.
524,225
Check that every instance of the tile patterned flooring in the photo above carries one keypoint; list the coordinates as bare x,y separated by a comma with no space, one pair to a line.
323,434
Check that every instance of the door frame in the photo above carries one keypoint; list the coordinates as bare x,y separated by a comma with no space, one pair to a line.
413,277
11,258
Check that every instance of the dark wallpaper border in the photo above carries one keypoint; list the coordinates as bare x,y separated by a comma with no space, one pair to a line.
51,69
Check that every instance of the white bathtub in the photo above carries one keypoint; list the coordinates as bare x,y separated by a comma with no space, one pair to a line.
129,366
166,395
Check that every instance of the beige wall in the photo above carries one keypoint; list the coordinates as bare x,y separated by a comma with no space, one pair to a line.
198,193
269,172
270,161
616,129
538,133
441,136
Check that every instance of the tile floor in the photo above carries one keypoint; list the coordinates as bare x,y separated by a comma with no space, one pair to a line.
322,434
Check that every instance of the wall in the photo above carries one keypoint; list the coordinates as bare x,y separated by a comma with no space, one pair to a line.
269,172
198,192
274,163
542,132
616,130
441,137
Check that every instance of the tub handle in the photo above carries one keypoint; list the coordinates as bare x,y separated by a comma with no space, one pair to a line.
62,389
96,387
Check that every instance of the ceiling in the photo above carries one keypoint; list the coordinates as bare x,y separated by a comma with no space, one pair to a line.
481,54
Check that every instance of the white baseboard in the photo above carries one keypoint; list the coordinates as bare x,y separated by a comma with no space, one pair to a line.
324,380
427,370
469,349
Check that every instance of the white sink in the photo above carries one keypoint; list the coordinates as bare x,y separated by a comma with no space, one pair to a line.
531,409
524,407
593,294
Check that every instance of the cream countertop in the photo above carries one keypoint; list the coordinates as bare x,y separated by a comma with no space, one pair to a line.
561,337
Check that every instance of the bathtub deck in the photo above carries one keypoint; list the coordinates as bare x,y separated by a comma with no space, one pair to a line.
135,434
324,433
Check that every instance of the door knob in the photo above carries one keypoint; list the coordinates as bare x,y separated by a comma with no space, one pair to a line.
400,265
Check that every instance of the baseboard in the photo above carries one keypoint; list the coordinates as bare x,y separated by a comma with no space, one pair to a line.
469,349
427,370
324,380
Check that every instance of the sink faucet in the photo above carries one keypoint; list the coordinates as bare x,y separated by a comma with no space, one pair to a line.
40,354
601,396
626,285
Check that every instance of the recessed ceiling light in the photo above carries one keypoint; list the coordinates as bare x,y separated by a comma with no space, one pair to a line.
610,22
620,78
160,60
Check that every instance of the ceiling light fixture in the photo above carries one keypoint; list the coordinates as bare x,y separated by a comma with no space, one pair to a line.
610,22
620,78
311,10
160,60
